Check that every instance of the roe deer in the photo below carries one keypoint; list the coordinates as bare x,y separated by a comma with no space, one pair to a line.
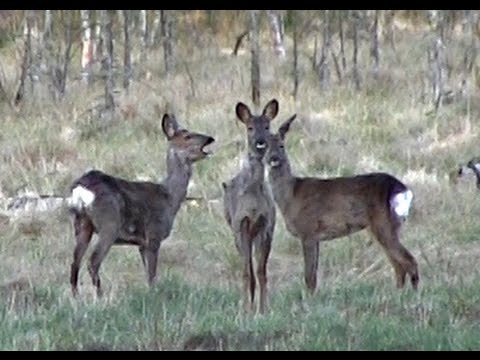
317,210
136,213
248,205
472,167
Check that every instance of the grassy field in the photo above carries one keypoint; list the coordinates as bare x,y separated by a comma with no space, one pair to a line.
196,302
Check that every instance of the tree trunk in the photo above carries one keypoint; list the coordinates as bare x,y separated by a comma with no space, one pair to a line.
323,69
59,60
66,57
26,59
471,50
439,72
355,25
337,67
143,27
127,58
276,28
255,60
47,25
388,31
168,36
46,39
87,47
342,42
99,40
109,82
155,28
374,51
295,56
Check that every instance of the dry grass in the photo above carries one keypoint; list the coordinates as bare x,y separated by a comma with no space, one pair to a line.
384,127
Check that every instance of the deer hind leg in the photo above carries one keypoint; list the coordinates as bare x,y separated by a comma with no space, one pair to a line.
107,238
401,259
310,255
248,275
83,234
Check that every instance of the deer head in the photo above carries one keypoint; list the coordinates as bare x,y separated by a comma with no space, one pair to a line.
258,127
187,145
277,156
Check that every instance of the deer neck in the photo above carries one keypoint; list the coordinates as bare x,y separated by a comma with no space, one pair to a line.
281,182
179,172
255,168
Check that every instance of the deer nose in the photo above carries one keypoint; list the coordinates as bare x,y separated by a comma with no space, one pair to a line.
261,144
274,161
210,140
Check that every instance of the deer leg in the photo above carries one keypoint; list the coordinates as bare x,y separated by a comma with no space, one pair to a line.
150,256
401,259
263,253
409,263
248,275
83,234
141,249
106,239
310,255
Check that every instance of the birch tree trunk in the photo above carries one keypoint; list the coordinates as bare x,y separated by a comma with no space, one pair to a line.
87,47
59,59
323,66
374,51
276,28
109,82
255,59
471,51
355,26
143,27
438,71
127,59
99,41
66,58
295,55
168,37
342,42
155,28
47,25
26,58
388,30
46,42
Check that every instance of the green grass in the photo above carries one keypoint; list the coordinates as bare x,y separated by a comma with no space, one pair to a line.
196,303
178,316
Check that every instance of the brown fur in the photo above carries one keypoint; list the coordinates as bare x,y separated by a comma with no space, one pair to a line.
248,205
135,212
318,210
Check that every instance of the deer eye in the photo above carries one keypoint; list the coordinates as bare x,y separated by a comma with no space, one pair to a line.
267,127
250,128
281,146
188,137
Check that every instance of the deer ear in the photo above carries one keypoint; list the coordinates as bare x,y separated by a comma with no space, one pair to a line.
169,125
243,112
286,126
271,109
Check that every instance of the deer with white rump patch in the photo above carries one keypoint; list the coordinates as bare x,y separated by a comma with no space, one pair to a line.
472,167
136,213
248,205
318,210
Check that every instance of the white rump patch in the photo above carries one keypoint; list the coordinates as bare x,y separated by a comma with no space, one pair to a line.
81,197
401,203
